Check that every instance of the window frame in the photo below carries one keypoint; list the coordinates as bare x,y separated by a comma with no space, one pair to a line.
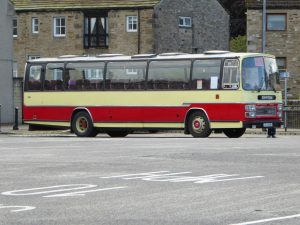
184,24
276,14
55,25
132,23
15,27
88,35
285,64
35,25
32,57
238,84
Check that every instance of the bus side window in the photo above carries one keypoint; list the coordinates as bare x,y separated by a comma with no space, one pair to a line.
125,75
54,77
34,78
206,74
231,74
84,76
164,75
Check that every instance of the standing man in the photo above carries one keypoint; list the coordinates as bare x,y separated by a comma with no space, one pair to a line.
271,132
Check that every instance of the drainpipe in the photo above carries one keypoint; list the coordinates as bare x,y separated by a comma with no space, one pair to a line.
139,32
264,26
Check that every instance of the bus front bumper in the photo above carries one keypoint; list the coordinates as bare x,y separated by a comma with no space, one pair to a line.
262,124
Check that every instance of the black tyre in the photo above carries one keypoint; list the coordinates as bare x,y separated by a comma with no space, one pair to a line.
117,133
82,125
234,132
198,125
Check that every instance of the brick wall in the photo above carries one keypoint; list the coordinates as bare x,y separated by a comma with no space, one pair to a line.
280,43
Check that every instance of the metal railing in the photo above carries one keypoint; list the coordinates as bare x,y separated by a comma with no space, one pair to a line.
292,116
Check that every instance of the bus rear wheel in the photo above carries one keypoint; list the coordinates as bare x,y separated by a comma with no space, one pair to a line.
234,132
82,125
117,133
198,125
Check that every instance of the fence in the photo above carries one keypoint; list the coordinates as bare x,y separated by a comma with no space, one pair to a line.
293,116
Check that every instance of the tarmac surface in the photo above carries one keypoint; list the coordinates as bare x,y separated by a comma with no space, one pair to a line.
23,130
55,178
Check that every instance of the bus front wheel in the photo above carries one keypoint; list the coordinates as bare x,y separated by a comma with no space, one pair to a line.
234,132
198,125
82,125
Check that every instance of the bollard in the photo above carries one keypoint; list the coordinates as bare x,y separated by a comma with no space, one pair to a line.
0,118
16,119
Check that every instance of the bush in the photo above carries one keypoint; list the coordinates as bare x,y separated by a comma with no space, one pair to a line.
238,44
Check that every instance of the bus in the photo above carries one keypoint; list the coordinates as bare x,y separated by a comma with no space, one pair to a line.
216,91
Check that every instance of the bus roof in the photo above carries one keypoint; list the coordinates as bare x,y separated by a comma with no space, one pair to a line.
172,55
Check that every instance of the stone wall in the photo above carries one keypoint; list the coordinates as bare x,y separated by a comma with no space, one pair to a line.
45,44
6,61
130,43
280,43
210,28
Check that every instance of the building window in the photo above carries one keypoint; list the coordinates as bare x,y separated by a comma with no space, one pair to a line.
35,25
185,21
131,23
96,31
281,63
15,27
32,57
276,22
59,24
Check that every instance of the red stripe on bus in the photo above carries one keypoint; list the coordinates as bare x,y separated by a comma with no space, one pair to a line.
215,112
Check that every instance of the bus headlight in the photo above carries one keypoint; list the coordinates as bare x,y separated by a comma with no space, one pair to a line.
279,107
250,114
250,108
279,114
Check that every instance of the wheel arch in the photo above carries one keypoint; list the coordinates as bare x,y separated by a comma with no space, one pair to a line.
187,115
80,109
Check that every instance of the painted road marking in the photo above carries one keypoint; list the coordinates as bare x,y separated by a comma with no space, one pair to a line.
268,220
165,176
47,190
135,174
82,193
69,189
21,208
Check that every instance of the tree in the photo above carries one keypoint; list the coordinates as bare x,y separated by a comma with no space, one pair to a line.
236,9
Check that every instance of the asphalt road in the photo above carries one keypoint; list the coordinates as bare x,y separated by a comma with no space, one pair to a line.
149,179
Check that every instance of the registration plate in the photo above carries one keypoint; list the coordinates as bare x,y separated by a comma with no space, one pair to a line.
267,124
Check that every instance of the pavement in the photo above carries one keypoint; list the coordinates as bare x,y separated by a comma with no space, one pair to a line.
23,130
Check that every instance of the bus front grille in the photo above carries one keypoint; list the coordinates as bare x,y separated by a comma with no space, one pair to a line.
266,111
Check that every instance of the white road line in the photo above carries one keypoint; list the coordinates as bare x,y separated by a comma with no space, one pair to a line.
223,180
268,220
136,174
153,177
50,189
82,193
22,208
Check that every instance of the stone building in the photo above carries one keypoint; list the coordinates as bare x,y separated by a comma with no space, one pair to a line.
191,26
49,28
6,61
282,36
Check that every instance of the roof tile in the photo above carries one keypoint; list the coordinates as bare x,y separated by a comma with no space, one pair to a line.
80,4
